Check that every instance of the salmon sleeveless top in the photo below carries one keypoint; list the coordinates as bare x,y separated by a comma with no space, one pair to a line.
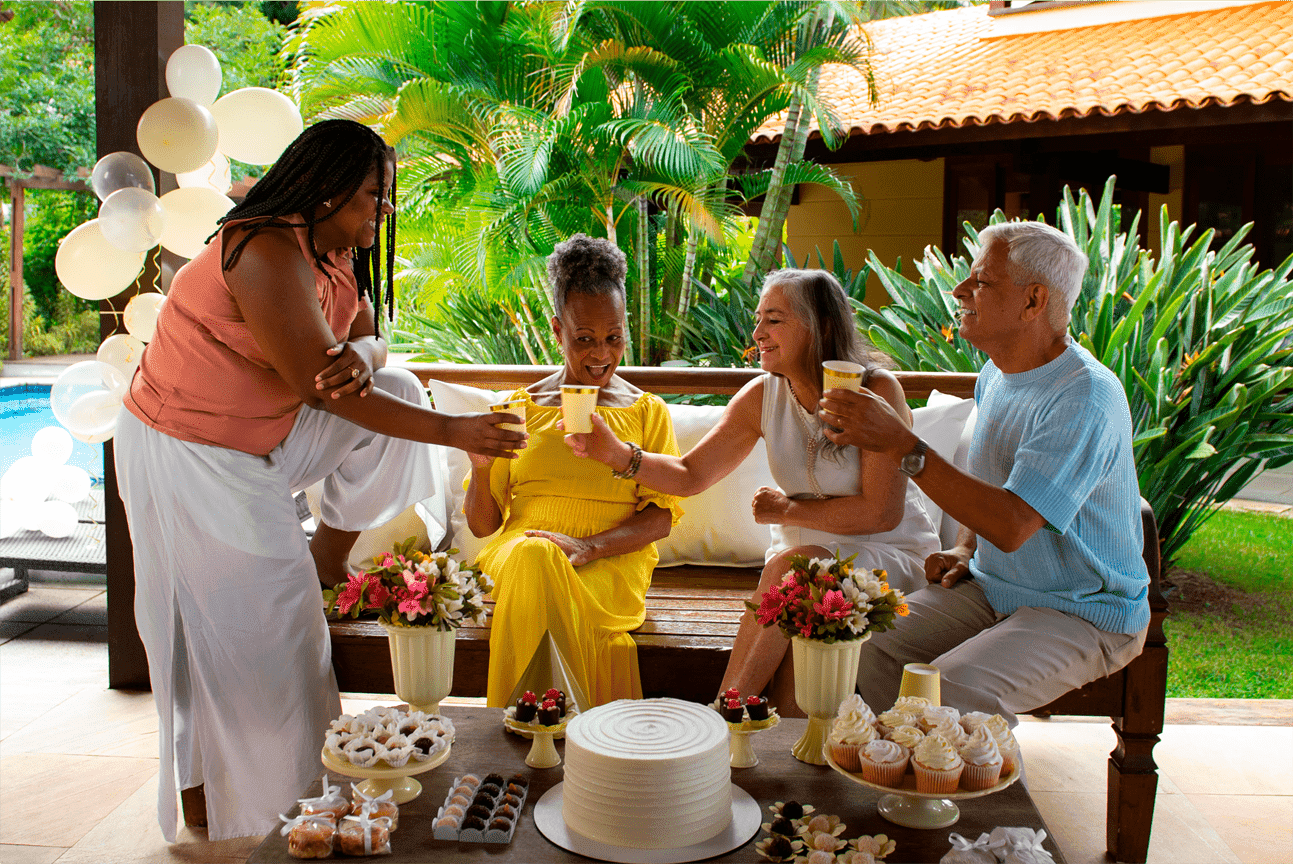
204,379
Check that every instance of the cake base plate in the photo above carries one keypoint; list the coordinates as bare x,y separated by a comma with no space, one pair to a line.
746,819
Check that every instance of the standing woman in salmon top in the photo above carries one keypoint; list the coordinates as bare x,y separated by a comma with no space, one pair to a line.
266,375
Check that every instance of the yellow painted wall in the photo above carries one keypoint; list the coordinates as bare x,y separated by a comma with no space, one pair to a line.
902,213
1174,157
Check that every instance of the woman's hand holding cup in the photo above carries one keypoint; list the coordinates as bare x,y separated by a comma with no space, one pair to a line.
600,445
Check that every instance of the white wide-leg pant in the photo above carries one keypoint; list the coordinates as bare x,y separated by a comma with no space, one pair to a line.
227,598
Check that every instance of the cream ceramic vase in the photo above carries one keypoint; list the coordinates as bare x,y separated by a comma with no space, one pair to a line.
825,675
422,661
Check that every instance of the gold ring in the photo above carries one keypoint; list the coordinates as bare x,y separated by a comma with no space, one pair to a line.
354,373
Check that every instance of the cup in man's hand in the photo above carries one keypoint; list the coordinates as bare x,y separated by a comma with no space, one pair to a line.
515,406
841,375
577,405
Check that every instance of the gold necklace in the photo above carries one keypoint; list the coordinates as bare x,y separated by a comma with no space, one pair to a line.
812,443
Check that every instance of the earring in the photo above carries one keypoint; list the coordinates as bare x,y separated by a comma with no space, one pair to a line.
327,203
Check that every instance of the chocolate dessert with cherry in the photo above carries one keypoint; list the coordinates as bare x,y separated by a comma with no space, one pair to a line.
526,707
549,714
732,711
757,706
558,697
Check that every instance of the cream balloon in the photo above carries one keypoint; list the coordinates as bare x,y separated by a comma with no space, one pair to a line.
86,397
177,134
132,219
193,72
10,518
71,483
28,482
256,124
121,170
191,217
122,352
51,445
216,175
92,268
140,316
57,518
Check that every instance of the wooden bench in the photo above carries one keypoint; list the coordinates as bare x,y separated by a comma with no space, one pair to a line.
692,614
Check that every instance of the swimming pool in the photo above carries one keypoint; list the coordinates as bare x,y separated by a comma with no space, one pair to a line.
24,410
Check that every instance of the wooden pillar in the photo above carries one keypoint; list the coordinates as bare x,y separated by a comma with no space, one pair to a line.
16,220
132,42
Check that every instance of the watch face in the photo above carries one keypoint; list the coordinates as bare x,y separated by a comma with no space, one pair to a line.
912,463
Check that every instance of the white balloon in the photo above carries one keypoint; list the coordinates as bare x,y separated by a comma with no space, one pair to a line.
98,438
30,516
141,314
132,219
86,397
121,170
28,482
57,518
92,268
71,483
192,215
10,518
194,73
177,134
51,445
256,124
121,351
216,175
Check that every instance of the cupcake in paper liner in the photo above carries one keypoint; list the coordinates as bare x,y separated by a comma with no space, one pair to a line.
907,736
341,724
364,752
950,729
937,765
911,704
894,718
424,746
1006,743
982,761
398,757
849,732
934,715
333,744
883,762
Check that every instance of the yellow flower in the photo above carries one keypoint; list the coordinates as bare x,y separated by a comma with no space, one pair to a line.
902,610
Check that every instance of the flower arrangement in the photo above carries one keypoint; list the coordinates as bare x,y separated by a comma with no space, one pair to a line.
825,599
413,589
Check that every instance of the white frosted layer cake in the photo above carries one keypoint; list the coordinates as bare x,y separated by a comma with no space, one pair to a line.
647,774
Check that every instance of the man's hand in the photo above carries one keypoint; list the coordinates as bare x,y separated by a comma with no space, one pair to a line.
866,421
480,434
600,445
946,568
770,506
578,551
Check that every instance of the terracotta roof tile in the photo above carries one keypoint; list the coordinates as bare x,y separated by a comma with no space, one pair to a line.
943,69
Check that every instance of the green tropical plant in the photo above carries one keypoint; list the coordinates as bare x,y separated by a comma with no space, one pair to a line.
1201,340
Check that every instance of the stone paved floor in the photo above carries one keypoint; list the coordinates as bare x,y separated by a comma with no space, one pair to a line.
85,758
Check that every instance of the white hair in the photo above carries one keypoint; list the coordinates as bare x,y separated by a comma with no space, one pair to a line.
1039,253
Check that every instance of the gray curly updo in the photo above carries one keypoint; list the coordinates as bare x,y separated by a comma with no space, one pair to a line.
585,265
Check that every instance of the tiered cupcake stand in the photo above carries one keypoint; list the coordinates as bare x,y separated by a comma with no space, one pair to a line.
381,777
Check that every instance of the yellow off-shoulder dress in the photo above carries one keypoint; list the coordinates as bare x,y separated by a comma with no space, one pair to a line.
590,609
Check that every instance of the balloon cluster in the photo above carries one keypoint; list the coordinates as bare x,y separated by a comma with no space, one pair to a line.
38,491
192,135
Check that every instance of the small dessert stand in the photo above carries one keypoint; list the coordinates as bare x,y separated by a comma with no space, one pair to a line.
911,809
380,778
743,755
543,753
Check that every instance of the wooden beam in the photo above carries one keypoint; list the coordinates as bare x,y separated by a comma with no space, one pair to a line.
132,42
16,199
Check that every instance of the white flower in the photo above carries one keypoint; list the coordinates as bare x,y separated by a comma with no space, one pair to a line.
479,618
451,605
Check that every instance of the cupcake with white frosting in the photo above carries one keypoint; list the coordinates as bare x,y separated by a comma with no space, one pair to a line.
937,765
936,715
893,718
950,729
851,730
907,736
883,762
1006,743
982,761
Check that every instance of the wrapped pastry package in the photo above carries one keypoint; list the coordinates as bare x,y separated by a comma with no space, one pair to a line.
309,836
964,851
331,802
1019,846
363,836
381,805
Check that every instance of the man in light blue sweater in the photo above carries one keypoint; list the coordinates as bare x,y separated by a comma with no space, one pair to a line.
1045,589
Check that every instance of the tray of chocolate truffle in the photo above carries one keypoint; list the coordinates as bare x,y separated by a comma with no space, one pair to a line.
482,810
744,717
927,755
530,712
387,746
331,824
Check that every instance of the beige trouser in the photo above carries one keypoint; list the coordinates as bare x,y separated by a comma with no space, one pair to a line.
998,664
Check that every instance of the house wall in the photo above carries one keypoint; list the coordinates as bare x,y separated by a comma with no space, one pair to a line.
901,214
1174,157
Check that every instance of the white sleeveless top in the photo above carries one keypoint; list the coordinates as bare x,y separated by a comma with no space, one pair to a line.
901,552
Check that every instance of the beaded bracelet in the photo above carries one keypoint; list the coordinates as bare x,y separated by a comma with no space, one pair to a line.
635,462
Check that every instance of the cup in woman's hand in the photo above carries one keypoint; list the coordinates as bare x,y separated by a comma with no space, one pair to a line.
841,375
577,405
515,406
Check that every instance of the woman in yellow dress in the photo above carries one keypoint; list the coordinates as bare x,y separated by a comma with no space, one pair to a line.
578,542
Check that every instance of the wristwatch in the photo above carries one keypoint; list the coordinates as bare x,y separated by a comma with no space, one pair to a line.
914,462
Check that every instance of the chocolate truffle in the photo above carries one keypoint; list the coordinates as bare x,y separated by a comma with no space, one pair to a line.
520,780
792,810
503,825
732,711
548,713
479,811
780,825
780,847
496,779
473,822
525,711
758,707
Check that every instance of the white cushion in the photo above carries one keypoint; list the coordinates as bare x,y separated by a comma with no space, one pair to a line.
940,424
718,527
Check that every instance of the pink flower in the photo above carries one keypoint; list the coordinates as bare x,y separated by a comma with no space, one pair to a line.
833,606
807,630
377,592
772,605
416,582
387,560
410,604
349,595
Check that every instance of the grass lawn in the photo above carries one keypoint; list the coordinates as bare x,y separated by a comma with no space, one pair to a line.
1230,632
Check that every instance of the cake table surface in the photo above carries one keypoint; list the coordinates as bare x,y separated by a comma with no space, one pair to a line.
483,746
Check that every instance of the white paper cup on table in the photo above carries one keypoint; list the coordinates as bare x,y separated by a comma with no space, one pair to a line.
515,406
577,405
841,375
921,679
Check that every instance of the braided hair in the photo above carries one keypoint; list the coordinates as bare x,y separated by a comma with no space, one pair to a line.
328,160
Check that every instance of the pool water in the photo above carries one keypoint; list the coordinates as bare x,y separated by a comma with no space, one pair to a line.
24,410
